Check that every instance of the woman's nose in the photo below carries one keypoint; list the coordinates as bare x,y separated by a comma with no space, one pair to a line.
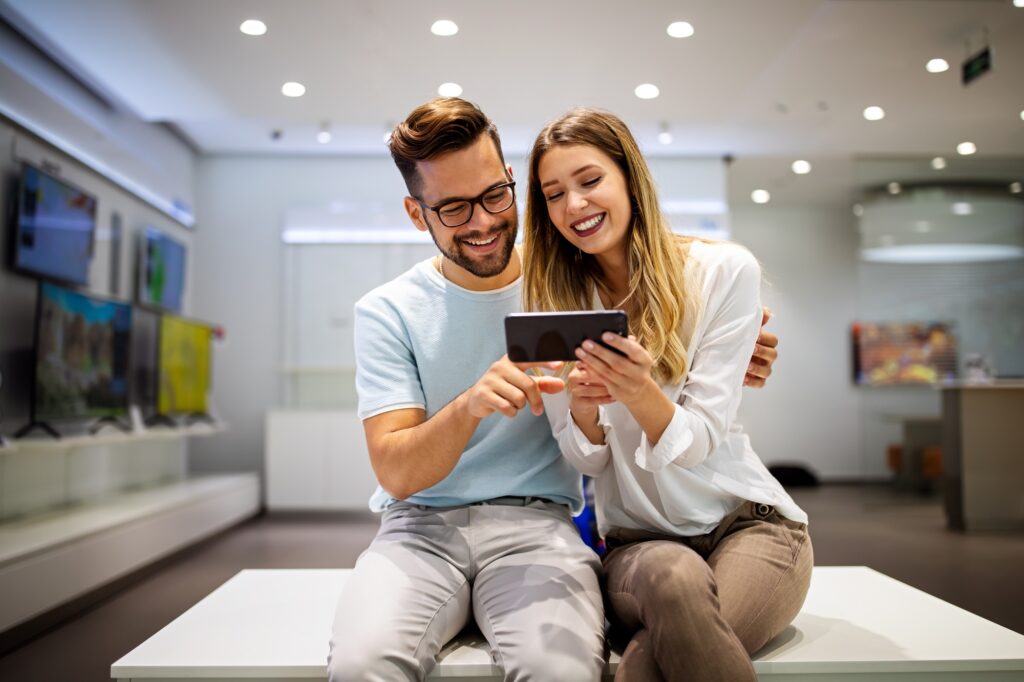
576,201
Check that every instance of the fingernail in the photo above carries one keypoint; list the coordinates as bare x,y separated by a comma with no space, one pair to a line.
588,344
607,336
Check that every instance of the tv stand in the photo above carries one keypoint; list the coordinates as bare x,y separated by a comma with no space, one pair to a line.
161,420
32,426
112,421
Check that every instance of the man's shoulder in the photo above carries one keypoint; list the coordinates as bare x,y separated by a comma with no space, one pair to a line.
402,291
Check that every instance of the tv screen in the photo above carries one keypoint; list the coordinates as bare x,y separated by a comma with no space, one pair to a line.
161,271
895,353
184,366
55,226
145,347
82,356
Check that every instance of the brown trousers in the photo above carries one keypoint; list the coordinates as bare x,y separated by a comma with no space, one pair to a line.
696,608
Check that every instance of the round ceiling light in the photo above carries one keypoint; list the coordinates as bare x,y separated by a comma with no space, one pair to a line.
966,148
760,196
449,90
680,29
938,163
874,113
253,27
647,91
937,65
293,89
444,27
801,167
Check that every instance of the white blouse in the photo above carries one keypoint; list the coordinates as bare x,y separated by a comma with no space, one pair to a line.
703,467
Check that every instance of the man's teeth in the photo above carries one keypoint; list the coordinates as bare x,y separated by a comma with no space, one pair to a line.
584,226
482,243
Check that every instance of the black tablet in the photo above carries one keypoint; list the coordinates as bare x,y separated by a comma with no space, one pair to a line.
545,337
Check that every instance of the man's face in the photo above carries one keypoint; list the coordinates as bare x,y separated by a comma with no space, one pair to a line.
484,245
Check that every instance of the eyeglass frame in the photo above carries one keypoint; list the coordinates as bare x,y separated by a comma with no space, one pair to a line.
478,199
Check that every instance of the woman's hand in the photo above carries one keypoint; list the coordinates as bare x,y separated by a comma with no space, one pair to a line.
628,376
586,394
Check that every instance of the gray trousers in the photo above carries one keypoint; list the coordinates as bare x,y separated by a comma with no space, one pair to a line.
517,566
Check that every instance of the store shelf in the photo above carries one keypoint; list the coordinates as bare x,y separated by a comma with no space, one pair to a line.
49,559
110,436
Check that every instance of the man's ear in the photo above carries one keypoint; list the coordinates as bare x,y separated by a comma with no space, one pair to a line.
415,211
508,168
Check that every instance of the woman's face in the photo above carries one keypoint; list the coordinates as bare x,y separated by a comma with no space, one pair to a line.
586,197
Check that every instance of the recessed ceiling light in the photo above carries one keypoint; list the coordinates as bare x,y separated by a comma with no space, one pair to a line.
874,113
1015,188
665,137
894,188
647,91
449,90
680,29
962,208
858,210
937,65
293,89
966,148
801,167
253,27
323,137
1018,3
760,196
938,163
1022,114
444,27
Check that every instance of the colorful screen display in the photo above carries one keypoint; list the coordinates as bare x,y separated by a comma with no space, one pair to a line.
162,271
903,353
184,366
55,227
82,353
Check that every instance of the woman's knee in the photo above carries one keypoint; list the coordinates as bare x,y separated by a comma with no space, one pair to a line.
670,577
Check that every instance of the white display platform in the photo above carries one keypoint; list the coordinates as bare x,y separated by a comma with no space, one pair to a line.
49,559
111,436
856,624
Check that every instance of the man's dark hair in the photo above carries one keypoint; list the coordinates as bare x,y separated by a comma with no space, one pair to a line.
442,125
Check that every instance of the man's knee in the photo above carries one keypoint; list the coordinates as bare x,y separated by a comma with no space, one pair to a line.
370,664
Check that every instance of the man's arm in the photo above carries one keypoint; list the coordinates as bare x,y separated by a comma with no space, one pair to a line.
764,357
410,453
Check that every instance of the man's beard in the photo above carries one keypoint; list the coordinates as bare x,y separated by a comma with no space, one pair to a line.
493,263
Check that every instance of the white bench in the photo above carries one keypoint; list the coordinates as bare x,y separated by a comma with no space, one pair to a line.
856,625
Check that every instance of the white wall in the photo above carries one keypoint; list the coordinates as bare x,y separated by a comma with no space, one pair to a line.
809,412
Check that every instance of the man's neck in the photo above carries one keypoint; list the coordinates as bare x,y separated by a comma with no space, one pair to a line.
467,280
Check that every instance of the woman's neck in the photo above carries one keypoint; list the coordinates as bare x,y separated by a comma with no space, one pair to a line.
614,276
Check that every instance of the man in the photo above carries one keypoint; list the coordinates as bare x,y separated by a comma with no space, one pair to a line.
477,499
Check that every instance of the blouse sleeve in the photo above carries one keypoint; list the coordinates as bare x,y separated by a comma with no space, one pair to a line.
585,457
712,389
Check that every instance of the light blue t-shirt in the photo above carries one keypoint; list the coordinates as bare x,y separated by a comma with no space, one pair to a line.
421,341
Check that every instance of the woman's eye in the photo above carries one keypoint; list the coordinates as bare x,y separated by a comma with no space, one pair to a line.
591,183
552,197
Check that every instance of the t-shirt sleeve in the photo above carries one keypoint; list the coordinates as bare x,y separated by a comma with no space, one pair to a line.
387,378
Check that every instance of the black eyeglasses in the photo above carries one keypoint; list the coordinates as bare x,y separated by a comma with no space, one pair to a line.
460,211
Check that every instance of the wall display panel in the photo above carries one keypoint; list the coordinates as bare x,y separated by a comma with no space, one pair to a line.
82,356
886,354
55,227
184,362
161,271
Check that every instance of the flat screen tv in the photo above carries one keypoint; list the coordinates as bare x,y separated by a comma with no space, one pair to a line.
81,356
145,349
161,271
54,228
184,363
894,353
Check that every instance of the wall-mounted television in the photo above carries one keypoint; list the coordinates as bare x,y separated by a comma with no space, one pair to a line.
161,270
184,367
82,358
55,225
894,353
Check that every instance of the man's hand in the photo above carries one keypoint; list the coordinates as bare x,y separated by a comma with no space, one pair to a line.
507,388
760,367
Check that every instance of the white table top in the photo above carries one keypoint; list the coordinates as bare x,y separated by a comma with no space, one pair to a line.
276,623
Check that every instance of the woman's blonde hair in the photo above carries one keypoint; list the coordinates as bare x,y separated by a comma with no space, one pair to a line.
559,276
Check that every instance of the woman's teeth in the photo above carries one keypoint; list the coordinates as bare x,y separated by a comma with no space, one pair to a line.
588,224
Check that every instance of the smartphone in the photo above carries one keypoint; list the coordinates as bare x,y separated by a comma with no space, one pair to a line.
546,337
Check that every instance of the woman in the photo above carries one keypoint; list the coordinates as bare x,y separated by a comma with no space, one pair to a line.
708,557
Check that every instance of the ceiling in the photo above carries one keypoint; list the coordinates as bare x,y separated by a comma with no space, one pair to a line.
757,80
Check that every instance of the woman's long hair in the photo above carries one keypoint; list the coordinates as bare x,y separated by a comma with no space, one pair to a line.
559,276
